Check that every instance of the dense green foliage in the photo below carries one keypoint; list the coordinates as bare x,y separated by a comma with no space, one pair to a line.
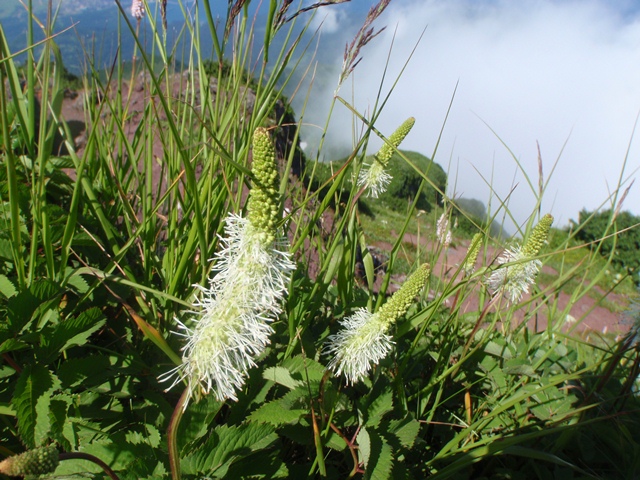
108,250
470,216
408,171
617,237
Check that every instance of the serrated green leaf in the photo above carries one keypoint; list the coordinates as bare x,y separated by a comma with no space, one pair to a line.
33,383
379,407
225,445
45,289
30,304
294,399
6,371
135,438
149,437
498,350
119,455
74,371
6,249
266,465
43,418
276,413
79,283
364,446
380,459
20,309
551,403
406,430
281,376
78,330
7,288
305,368
196,420
74,331
159,472
153,435
518,366
335,441
11,345
5,409
58,417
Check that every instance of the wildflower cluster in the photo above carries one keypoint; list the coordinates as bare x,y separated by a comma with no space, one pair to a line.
520,266
233,314
373,176
364,339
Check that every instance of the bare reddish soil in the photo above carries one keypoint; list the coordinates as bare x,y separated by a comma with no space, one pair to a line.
582,314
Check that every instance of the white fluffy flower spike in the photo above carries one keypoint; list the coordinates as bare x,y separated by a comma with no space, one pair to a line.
364,341
233,314
519,266
374,176
443,232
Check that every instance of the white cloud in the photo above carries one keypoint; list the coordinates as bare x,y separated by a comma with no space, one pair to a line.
328,19
546,71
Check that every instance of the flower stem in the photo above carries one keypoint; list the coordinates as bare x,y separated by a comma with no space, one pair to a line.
172,434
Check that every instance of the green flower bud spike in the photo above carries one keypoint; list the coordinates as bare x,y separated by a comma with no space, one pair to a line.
400,301
472,254
364,341
374,177
386,151
518,265
262,208
38,461
538,236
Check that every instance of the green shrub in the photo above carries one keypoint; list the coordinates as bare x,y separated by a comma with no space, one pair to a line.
405,181
623,242
471,214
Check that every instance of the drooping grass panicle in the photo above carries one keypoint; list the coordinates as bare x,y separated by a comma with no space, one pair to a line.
163,13
374,176
234,9
518,265
364,339
233,313
364,36
281,16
